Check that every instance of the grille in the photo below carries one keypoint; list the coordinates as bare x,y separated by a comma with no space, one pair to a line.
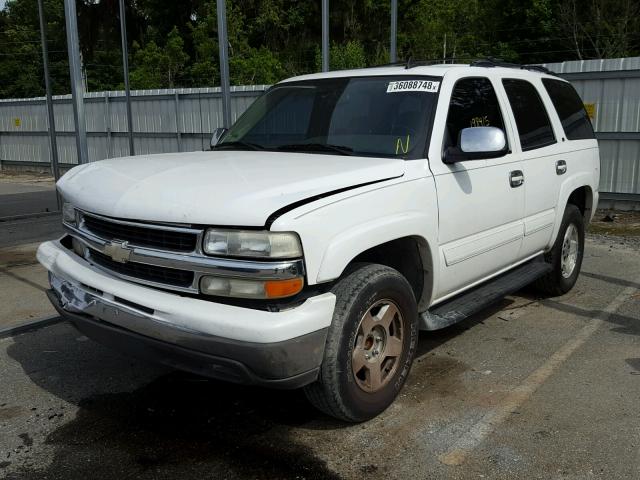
141,236
151,273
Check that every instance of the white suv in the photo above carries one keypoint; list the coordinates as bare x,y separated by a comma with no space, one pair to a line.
341,214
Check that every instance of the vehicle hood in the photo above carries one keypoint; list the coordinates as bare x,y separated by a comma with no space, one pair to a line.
234,188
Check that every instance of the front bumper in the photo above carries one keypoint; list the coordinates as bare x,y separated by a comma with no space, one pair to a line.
279,349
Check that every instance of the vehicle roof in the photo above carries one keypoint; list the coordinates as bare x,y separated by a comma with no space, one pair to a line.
427,70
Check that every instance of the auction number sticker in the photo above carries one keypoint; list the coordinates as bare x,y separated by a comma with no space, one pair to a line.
413,86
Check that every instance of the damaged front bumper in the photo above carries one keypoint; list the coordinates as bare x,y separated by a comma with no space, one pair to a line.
277,349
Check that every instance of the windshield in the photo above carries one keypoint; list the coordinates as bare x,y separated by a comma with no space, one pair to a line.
367,116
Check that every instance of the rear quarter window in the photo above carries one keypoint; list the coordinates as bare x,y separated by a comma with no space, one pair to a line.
567,102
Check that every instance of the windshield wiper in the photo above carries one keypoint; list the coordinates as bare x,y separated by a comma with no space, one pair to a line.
316,147
236,144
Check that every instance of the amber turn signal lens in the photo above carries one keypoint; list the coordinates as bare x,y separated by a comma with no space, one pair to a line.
283,288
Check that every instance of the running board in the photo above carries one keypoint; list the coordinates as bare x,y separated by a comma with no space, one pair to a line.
478,298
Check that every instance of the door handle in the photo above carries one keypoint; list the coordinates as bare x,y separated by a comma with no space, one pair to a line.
516,178
561,167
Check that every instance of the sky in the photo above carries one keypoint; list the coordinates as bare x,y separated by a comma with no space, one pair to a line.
2,2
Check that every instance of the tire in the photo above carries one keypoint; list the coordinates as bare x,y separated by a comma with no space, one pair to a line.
352,386
559,281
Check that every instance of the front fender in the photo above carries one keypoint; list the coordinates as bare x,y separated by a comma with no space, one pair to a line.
348,244
337,229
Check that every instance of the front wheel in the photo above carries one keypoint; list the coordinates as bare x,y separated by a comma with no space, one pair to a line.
370,344
566,255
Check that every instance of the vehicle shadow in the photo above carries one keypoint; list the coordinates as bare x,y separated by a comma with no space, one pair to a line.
635,364
136,419
142,420
621,323
610,279
431,340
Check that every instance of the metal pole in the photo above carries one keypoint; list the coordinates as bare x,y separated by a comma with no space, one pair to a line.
125,66
53,144
393,50
75,72
224,63
444,49
325,35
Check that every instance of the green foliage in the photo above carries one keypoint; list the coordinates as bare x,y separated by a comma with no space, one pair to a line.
344,56
146,69
175,43
204,70
256,66
21,71
155,67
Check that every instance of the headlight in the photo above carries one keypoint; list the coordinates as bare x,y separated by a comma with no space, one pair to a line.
255,244
243,288
68,214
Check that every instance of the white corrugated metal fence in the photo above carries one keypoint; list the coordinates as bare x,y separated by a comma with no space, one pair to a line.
183,120
176,120
611,88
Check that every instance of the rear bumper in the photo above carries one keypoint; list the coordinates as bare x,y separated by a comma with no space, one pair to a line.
276,349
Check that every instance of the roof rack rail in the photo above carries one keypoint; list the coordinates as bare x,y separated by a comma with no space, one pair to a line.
411,63
538,68
392,64
494,62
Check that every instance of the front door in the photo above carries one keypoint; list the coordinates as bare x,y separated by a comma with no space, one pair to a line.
480,206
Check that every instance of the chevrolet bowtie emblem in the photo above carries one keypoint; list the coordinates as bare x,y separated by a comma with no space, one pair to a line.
118,251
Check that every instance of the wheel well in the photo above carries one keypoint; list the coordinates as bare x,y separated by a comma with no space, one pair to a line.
582,198
406,256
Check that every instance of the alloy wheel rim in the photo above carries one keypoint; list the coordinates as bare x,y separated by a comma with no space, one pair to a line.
378,346
569,256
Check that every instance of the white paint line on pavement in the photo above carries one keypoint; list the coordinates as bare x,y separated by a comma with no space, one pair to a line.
473,437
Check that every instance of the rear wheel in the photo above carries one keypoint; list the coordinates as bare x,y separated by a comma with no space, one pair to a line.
370,344
566,254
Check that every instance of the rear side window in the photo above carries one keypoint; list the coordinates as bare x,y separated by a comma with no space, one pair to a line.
473,104
531,117
574,118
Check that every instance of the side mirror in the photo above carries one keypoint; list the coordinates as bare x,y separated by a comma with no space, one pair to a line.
482,140
218,133
478,143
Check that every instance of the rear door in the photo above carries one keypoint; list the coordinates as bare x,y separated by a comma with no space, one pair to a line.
538,146
480,210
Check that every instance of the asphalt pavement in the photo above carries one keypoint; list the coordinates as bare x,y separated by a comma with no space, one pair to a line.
27,203
534,388
22,280
26,195
30,230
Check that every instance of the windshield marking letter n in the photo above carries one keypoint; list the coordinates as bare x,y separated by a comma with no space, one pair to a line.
401,146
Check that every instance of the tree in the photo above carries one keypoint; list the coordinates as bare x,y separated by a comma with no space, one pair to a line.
176,43
175,58
155,67
203,30
344,56
21,71
602,28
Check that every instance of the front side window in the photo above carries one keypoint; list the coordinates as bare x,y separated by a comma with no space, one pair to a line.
534,126
567,102
368,116
473,104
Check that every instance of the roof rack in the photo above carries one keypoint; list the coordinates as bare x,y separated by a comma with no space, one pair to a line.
494,62
418,63
411,63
